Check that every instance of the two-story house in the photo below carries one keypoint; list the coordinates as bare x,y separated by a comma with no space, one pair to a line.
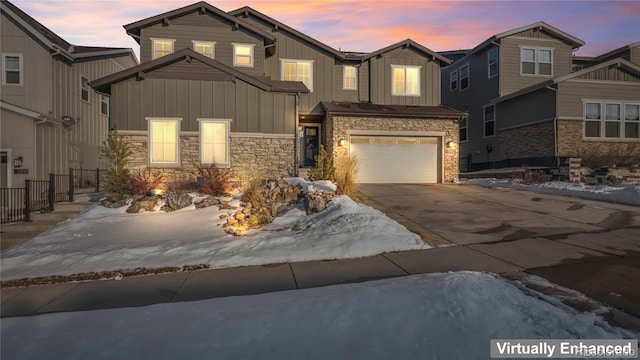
51,119
245,91
531,102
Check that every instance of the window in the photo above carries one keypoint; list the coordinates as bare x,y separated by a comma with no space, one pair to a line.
611,120
350,75
162,47
405,80
84,88
453,80
214,141
536,61
243,55
163,143
489,120
464,77
104,104
298,70
492,60
463,129
12,69
205,48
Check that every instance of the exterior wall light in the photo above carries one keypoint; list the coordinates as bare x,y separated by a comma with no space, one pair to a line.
17,162
341,142
451,144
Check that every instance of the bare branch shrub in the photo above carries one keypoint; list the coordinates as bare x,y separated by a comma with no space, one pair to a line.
214,181
347,170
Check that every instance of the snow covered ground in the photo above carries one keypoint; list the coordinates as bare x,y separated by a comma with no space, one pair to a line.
627,193
103,239
435,316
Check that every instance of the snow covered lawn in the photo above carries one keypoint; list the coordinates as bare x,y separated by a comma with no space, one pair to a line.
103,239
435,316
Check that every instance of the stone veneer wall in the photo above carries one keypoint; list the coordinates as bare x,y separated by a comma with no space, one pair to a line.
255,154
337,126
528,141
571,143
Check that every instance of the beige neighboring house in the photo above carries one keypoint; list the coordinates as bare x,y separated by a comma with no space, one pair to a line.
51,120
530,101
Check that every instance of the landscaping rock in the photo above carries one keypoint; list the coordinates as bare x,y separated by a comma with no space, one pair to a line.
148,203
206,202
317,201
176,201
116,202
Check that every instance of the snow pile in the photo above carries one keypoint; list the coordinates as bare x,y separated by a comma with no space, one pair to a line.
317,185
435,316
628,193
103,239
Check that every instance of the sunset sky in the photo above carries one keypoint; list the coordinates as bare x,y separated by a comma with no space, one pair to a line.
363,25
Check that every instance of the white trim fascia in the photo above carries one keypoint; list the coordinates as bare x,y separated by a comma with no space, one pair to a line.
604,82
20,110
260,135
397,133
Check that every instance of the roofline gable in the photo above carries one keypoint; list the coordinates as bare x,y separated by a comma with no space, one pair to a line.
133,29
406,44
616,51
103,83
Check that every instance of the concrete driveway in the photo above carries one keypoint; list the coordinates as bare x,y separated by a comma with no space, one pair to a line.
590,246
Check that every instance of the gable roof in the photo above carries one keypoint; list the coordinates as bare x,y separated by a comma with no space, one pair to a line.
55,43
133,29
246,11
407,44
616,51
368,109
104,84
618,62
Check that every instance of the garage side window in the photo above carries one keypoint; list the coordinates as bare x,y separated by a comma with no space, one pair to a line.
214,141
163,141
489,120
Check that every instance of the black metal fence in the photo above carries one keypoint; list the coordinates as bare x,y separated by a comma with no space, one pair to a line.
17,204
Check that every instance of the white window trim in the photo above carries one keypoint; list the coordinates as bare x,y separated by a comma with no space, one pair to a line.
82,89
603,120
298,61
468,66
153,46
393,92
344,78
4,69
484,121
164,119
227,122
536,66
194,43
102,97
451,81
489,76
251,46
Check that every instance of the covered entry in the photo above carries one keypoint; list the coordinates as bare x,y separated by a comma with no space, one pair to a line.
396,159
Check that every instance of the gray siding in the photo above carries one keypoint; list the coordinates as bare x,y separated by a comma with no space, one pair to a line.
251,109
611,74
635,55
572,94
532,108
339,93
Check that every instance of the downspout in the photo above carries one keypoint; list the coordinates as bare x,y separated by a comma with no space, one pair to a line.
555,126
358,79
295,137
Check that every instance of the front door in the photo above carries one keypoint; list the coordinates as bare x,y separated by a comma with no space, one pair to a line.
310,145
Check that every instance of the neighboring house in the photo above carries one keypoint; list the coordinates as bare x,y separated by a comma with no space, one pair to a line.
51,119
531,102
247,92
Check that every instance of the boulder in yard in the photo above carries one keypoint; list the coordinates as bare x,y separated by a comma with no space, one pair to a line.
176,201
206,202
316,201
144,204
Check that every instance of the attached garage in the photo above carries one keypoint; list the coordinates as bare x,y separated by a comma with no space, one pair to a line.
396,159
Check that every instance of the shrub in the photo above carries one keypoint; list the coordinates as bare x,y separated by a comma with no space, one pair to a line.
324,170
213,180
529,177
347,175
116,151
620,155
251,191
143,181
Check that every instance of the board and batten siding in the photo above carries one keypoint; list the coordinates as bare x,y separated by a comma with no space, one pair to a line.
573,93
510,49
339,93
251,110
533,108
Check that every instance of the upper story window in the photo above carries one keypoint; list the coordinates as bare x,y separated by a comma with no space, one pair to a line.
214,141
536,61
464,77
492,63
162,47
350,76
84,88
489,114
206,48
297,70
243,55
163,141
104,104
453,80
405,80
12,69
611,120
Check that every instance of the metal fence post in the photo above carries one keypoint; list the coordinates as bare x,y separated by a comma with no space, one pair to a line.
27,200
71,185
97,179
52,191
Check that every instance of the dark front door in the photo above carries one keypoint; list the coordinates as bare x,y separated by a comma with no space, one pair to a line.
311,145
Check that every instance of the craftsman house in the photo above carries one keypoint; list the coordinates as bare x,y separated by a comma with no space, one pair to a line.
245,91
531,102
51,119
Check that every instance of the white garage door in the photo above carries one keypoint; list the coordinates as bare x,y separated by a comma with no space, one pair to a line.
390,159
